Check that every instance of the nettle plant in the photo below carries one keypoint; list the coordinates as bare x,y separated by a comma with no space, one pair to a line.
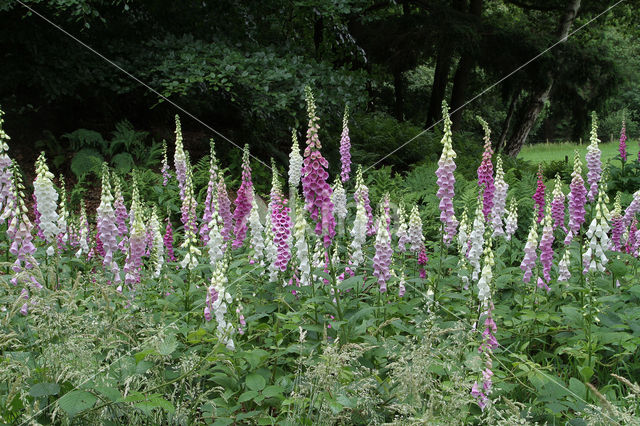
317,306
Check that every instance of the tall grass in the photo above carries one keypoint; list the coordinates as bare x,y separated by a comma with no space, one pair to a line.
544,153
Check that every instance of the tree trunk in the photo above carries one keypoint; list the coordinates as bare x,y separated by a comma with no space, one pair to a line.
538,98
440,78
507,120
463,75
398,85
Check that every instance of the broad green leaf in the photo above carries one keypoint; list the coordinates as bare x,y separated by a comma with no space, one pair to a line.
44,389
255,382
76,401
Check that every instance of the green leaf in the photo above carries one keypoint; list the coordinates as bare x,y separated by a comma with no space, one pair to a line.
168,346
273,391
86,161
76,401
255,382
44,389
586,372
248,396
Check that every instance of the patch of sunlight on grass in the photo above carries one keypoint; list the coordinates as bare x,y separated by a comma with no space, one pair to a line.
545,153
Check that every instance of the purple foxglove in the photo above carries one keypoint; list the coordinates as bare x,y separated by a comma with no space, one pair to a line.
106,225
271,250
345,147
422,260
243,201
557,205
529,260
499,200
339,200
180,159
382,258
597,237
594,164
358,234
209,202
482,390
476,240
316,190
121,215
402,232
281,232
511,224
295,162
362,192
538,196
563,266
166,174
168,241
485,172
622,147
546,245
446,180
414,233
302,249
577,199
47,197
20,228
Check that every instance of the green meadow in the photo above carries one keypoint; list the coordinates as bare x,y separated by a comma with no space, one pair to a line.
545,153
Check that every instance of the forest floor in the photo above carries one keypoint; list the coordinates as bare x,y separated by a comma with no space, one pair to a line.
558,151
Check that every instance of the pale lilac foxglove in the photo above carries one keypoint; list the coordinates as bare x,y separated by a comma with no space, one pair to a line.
180,159
345,147
224,209
136,241
402,232
382,257
529,260
476,240
563,266
358,234
482,390
47,197
401,285
557,205
446,180
83,241
256,231
339,200
302,249
106,225
216,305
188,218
546,245
63,218
594,164
121,215
538,196
166,174
316,190
20,228
414,233
485,172
215,243
295,163
499,200
597,241
486,276
210,199
362,192
6,175
577,200
243,201
622,147
511,223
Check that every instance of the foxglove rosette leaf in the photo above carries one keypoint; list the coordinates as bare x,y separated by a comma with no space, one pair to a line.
597,242
362,192
382,258
485,172
499,200
594,164
577,200
243,201
345,147
295,163
476,240
446,180
316,190
414,233
622,147
511,224
557,205
180,159
529,261
47,197
538,196
546,245
106,225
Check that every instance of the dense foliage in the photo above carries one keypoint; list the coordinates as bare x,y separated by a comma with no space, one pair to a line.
349,304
